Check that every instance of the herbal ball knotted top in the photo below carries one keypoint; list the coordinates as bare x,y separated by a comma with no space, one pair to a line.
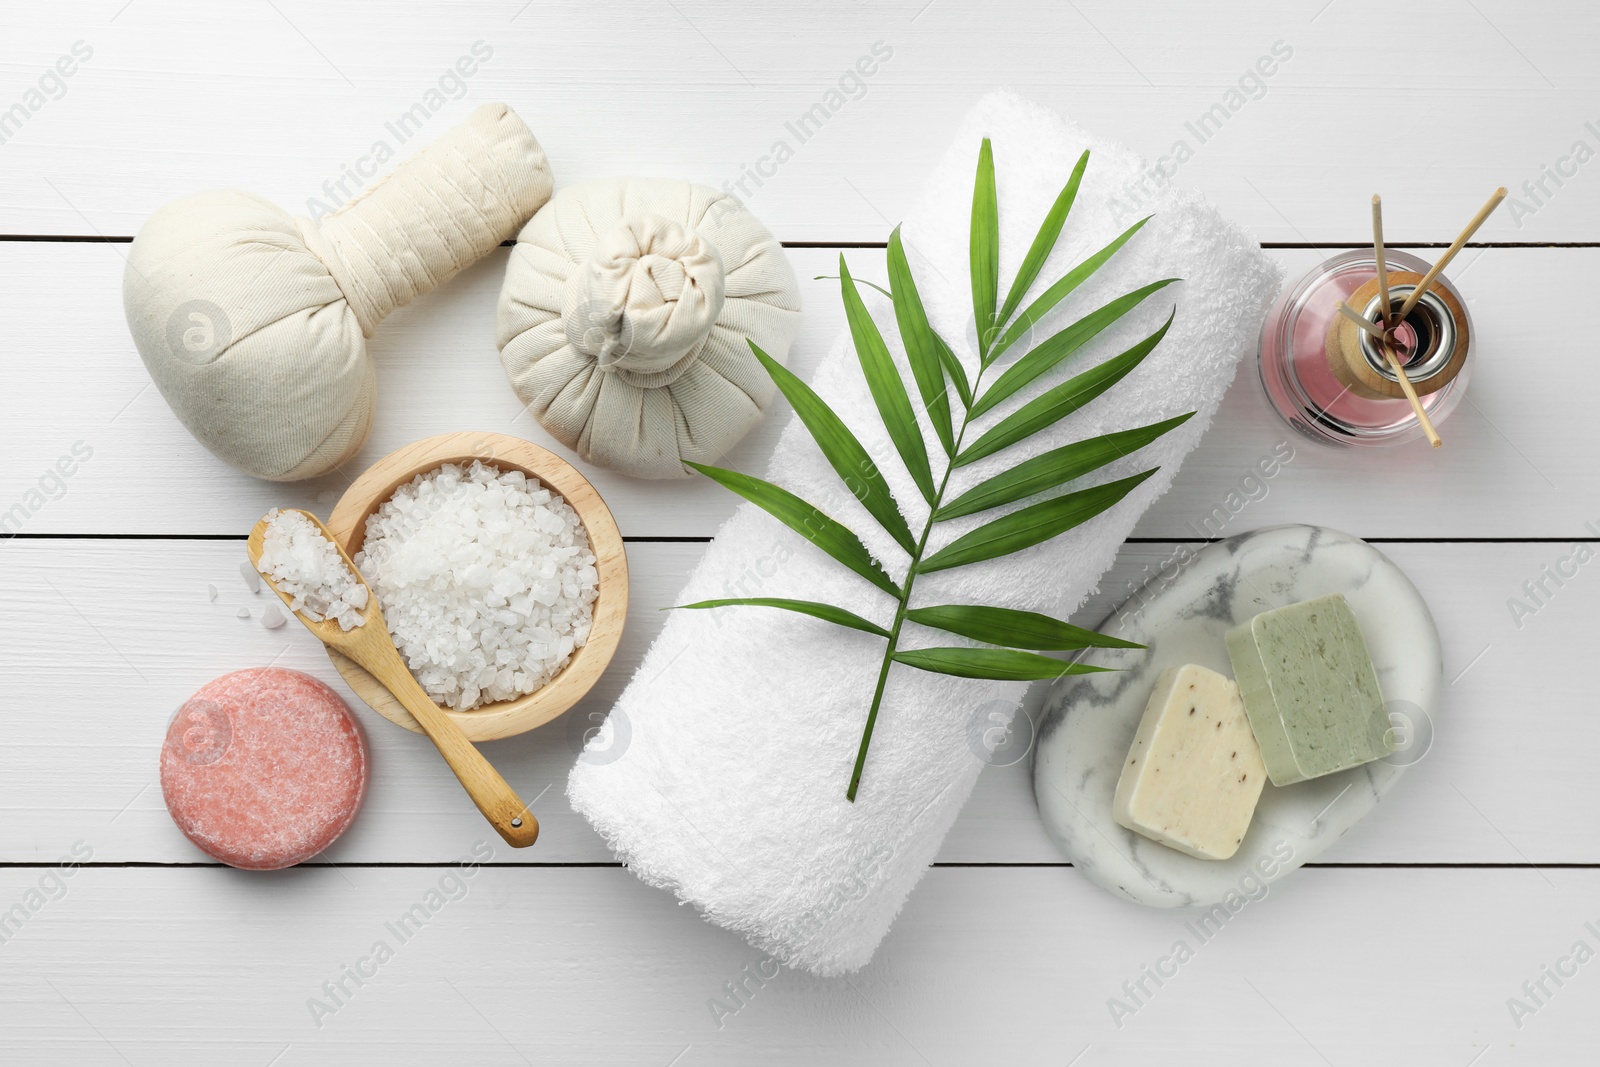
626,317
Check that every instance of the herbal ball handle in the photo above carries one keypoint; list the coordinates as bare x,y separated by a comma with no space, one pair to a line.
438,212
499,803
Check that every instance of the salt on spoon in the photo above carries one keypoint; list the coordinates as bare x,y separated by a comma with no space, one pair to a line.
368,644
301,561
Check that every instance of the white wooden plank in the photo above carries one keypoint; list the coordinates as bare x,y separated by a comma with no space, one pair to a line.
984,966
106,639
279,98
1508,469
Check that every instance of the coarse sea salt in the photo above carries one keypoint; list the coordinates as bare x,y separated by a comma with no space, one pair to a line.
302,562
486,579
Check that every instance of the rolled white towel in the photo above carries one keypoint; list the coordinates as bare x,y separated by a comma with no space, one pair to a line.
743,722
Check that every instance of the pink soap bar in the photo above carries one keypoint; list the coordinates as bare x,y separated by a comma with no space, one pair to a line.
264,768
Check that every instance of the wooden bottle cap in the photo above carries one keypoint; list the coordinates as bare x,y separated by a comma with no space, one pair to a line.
1438,322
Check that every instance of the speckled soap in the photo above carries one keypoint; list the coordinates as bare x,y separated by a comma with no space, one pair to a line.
1310,689
1194,773
264,768
1183,615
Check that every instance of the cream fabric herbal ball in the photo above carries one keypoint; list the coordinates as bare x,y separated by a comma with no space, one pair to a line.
625,316
253,324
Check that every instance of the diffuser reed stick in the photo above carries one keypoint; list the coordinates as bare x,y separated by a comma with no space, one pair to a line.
1385,309
1383,268
1450,253
1355,316
1411,395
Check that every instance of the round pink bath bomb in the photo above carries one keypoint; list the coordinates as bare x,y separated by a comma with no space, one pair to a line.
264,768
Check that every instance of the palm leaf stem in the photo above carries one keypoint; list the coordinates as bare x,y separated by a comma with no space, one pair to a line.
905,600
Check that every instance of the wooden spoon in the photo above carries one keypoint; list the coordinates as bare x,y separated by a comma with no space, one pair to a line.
371,646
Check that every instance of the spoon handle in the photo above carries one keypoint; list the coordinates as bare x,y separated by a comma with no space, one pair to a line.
499,803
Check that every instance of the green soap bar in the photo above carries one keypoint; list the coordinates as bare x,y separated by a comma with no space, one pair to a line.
1310,690
1259,707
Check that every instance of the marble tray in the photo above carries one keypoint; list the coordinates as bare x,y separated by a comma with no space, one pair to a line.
1182,613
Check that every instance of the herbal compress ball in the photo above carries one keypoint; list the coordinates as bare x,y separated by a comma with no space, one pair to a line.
625,316
253,324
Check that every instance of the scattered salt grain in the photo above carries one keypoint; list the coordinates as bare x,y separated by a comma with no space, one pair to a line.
486,579
306,565
252,580
243,613
273,618
211,592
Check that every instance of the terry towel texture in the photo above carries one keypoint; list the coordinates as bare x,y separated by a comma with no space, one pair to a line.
742,723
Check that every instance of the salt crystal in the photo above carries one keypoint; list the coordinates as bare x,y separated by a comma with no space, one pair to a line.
273,617
252,580
244,613
477,570
303,563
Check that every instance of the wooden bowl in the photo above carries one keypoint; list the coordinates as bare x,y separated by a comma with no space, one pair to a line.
503,718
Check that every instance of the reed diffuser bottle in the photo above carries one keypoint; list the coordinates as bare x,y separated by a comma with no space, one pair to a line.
1370,348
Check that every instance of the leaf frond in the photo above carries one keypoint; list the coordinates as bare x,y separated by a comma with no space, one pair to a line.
826,612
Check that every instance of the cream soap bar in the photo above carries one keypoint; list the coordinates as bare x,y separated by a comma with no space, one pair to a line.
1310,690
1194,772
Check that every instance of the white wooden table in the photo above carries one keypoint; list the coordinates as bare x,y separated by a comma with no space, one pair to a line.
1402,946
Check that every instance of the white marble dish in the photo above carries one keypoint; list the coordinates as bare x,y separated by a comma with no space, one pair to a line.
1182,613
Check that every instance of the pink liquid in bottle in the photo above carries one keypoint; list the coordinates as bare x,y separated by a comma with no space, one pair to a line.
1294,365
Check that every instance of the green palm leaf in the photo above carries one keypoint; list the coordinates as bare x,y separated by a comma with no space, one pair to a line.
842,450
1044,242
826,612
1060,346
1054,468
952,365
1058,292
984,247
936,369
1030,525
828,534
1053,405
888,391
921,351
859,281
996,664
1017,629
958,373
